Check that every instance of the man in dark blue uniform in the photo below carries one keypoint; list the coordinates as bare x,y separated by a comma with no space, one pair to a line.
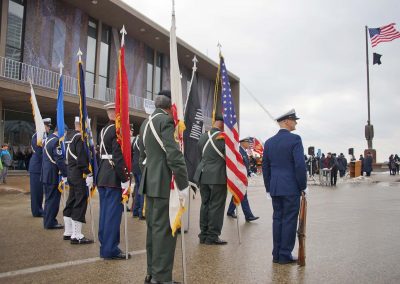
285,177
112,179
53,163
244,145
78,168
35,167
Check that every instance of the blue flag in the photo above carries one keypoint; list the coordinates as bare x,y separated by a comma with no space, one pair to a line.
60,114
86,131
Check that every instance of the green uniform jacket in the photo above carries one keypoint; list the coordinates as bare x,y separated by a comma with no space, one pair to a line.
212,168
160,164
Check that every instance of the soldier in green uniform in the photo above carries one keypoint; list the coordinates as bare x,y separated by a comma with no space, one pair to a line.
159,158
211,175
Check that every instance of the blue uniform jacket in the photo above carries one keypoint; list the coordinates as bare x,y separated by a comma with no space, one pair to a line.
283,165
35,163
50,170
245,159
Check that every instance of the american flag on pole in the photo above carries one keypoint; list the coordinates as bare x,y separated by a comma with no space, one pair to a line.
383,34
235,169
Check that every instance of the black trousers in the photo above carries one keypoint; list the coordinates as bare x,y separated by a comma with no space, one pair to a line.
77,202
334,176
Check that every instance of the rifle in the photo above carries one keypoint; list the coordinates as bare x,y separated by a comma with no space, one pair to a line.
301,231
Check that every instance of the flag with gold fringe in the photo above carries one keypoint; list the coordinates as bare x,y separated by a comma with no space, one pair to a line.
37,117
176,209
122,112
86,131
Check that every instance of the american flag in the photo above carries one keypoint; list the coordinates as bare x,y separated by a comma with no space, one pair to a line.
235,169
383,34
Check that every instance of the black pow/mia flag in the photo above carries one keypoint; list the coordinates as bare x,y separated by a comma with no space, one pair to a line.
194,128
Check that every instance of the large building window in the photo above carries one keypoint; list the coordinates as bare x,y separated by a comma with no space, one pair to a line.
150,66
91,57
158,73
15,34
104,61
59,35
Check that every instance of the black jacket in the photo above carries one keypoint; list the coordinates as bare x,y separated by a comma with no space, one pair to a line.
135,156
111,171
77,158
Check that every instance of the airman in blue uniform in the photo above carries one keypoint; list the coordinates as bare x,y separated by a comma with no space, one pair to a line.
35,168
285,177
53,163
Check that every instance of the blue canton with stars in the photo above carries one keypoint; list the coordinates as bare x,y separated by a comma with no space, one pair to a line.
226,96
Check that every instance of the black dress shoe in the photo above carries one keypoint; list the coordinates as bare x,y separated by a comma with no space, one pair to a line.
120,256
274,260
56,227
252,218
66,238
216,242
142,218
147,279
232,215
83,241
293,260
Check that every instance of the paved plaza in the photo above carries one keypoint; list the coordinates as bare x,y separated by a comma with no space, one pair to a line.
353,233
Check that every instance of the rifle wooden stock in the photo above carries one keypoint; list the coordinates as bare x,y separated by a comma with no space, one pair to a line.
301,231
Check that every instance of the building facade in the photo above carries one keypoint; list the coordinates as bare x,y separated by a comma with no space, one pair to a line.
35,35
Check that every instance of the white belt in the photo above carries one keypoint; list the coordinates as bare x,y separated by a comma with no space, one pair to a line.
106,157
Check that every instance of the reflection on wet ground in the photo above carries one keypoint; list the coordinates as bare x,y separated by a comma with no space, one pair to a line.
353,233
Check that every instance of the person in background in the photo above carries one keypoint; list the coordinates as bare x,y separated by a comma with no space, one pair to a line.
362,164
368,164
6,160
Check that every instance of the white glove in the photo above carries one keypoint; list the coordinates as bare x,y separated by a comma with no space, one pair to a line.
183,194
65,180
89,181
269,196
125,185
305,191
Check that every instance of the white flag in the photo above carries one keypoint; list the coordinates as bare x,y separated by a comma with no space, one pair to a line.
39,125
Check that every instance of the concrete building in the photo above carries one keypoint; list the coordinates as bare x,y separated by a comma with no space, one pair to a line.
36,35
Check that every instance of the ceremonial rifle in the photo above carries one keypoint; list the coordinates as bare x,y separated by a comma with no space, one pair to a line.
301,232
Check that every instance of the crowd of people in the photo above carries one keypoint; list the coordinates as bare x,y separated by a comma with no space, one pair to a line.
394,164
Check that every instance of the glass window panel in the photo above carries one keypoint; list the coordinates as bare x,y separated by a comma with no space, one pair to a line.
149,85
102,88
105,34
104,54
157,80
89,82
91,54
92,29
15,28
60,32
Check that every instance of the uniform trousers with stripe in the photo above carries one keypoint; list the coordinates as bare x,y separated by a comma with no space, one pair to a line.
36,189
110,221
51,205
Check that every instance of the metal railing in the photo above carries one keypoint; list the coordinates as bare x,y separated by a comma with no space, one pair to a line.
19,71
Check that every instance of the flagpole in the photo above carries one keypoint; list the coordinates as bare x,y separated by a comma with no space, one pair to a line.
194,69
64,202
369,126
237,224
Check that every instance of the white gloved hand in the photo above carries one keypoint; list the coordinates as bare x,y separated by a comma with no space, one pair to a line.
183,194
65,180
89,181
125,185
305,191
269,196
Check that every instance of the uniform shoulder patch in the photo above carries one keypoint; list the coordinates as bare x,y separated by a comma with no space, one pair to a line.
59,151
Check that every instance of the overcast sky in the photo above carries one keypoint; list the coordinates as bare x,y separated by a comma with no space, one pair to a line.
308,55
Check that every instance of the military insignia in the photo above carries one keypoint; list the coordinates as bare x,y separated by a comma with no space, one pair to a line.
59,151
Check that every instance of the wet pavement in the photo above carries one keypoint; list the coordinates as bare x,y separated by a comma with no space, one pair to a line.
353,233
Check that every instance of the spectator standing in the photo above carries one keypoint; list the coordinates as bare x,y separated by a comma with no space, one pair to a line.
6,161
368,164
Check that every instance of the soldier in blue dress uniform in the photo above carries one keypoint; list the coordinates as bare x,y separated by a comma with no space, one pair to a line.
285,177
53,163
35,167
112,178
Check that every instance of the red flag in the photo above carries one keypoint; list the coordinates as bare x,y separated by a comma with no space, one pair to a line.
258,147
122,110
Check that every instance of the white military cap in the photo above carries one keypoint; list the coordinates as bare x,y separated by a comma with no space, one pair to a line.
109,106
291,114
77,119
47,121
